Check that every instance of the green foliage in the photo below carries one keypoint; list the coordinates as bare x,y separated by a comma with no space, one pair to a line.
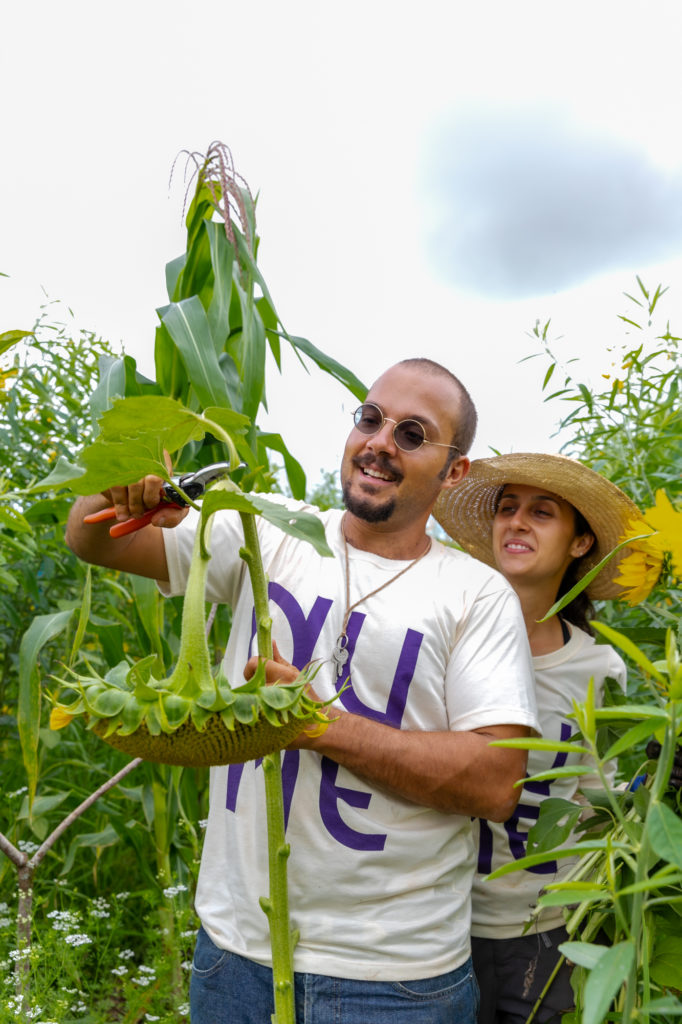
626,887
630,431
627,882
210,362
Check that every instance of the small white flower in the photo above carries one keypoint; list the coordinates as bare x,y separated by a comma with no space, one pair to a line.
147,970
126,954
120,972
203,822
186,965
174,890
18,792
122,895
150,1016
26,846
77,939
5,922
184,1009
143,981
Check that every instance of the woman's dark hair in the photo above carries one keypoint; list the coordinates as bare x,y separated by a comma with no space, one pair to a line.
581,609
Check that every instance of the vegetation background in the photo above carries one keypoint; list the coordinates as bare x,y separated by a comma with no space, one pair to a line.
111,901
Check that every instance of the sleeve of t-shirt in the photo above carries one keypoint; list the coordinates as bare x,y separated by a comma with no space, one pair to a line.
489,678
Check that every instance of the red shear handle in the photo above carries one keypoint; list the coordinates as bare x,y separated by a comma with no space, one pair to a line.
128,525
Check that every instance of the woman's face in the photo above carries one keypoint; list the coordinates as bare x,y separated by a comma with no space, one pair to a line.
534,535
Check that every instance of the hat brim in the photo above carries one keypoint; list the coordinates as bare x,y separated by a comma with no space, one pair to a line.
466,511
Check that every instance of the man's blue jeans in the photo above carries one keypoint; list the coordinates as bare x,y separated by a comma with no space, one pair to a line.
228,989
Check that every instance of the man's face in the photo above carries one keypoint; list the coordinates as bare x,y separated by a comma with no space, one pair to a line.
380,482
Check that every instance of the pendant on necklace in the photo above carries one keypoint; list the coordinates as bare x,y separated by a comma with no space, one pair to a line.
340,653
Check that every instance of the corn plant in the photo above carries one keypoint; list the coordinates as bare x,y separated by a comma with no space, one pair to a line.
210,355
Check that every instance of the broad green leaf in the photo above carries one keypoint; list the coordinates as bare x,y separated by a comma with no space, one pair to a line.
302,525
665,833
584,954
42,805
230,420
133,436
555,823
188,326
63,474
604,983
43,629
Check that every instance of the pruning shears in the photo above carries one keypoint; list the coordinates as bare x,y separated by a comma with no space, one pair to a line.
192,484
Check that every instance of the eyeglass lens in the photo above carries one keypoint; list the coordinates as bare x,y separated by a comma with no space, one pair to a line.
408,434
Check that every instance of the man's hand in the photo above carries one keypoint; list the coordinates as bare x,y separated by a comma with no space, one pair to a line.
277,669
141,552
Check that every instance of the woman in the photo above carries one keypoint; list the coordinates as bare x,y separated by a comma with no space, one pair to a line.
543,521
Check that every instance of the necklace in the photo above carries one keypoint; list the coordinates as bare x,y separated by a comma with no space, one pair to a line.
340,652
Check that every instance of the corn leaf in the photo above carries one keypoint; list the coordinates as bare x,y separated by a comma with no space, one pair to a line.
188,326
43,629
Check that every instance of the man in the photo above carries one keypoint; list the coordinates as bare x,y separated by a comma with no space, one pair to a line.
433,648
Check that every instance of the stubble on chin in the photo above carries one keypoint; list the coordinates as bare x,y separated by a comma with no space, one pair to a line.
368,511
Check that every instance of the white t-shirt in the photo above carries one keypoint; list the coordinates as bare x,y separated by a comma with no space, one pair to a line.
501,907
379,887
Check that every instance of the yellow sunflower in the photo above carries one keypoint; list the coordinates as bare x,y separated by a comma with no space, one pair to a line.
665,518
640,569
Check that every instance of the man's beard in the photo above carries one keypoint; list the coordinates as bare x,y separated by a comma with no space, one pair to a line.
367,510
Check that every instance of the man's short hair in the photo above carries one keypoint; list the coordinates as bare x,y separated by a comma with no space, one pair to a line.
467,417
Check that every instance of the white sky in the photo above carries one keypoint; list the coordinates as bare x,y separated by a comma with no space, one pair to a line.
432,178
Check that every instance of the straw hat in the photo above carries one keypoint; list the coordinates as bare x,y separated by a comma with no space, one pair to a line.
466,511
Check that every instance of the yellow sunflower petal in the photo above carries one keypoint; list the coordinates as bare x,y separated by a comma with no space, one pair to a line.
638,572
665,518
59,718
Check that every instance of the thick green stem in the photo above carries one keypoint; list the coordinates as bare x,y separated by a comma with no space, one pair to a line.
276,906
194,659
645,856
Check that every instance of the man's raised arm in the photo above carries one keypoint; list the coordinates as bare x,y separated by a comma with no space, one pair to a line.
141,552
